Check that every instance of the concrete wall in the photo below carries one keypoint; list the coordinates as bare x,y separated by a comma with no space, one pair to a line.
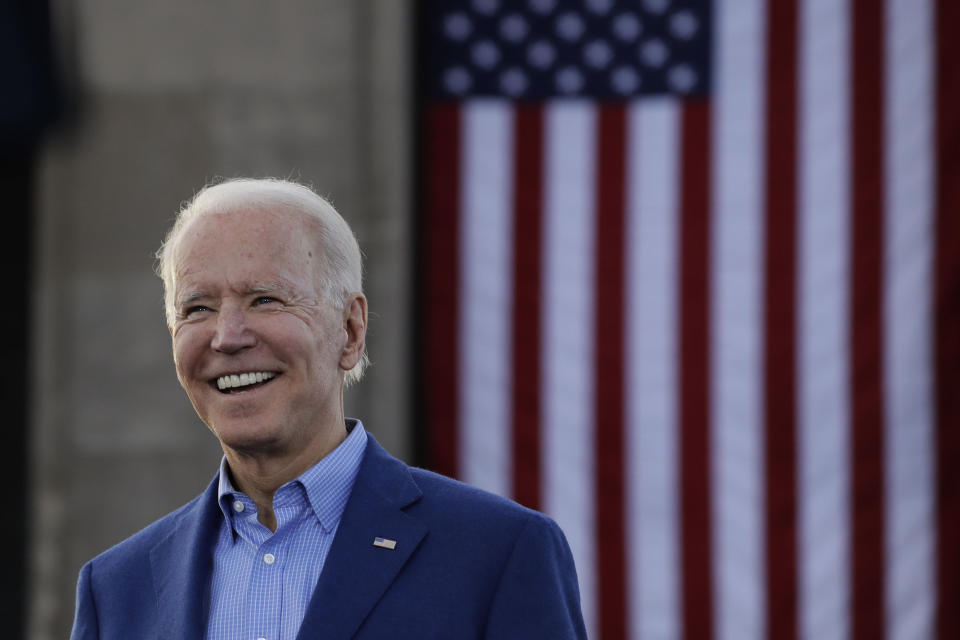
173,94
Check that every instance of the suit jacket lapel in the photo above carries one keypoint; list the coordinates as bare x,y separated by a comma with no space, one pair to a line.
181,565
357,573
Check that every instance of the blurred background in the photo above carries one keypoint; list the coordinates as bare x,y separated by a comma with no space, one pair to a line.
683,274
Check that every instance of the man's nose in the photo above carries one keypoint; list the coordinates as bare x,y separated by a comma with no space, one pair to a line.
232,332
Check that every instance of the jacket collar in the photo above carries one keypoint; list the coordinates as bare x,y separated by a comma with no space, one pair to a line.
181,565
357,572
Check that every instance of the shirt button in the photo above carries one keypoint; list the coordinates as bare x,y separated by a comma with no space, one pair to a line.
238,506
269,558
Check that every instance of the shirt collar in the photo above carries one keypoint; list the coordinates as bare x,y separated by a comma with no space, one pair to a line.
327,483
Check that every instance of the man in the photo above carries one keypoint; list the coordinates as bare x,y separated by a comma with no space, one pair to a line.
310,529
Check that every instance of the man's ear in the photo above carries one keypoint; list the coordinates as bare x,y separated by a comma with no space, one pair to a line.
355,327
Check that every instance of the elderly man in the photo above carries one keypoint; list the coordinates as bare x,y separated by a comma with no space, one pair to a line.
310,529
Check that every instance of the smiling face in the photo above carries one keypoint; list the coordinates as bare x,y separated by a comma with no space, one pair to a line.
258,348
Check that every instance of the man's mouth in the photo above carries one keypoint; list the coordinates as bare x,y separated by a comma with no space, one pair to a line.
242,381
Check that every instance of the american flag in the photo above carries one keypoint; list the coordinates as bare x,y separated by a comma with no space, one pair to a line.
691,285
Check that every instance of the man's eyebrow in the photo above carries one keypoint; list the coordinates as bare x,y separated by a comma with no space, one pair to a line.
193,296
266,287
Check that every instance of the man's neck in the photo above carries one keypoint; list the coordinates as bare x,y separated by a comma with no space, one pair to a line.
260,474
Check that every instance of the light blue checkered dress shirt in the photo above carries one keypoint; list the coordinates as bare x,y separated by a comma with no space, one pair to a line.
263,581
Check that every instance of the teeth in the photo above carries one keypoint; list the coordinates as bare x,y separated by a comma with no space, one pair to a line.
243,379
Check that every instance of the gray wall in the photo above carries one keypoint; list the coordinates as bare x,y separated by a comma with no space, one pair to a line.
175,93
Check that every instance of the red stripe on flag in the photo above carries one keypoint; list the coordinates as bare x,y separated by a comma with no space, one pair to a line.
947,318
694,406
609,365
780,311
867,243
440,276
528,216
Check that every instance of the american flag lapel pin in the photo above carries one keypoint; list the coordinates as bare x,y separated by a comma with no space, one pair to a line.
384,543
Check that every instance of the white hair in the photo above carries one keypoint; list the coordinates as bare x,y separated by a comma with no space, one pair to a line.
341,262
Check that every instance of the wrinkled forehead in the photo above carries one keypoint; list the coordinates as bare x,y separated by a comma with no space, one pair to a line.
288,237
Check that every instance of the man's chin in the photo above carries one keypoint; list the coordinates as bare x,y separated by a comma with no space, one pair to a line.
248,439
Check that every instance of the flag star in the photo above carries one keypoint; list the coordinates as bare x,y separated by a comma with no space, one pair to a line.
627,27
682,78
625,80
457,26
570,26
457,80
514,81
684,24
598,54
656,6
485,54
486,7
542,6
569,80
541,54
514,28
600,7
654,52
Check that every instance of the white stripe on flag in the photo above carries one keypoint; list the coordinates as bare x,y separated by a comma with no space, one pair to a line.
568,337
737,325
910,463
823,320
486,285
651,411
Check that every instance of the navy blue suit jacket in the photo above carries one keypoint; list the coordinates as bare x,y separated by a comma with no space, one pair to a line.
467,564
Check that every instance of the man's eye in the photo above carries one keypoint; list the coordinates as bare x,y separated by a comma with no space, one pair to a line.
197,308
